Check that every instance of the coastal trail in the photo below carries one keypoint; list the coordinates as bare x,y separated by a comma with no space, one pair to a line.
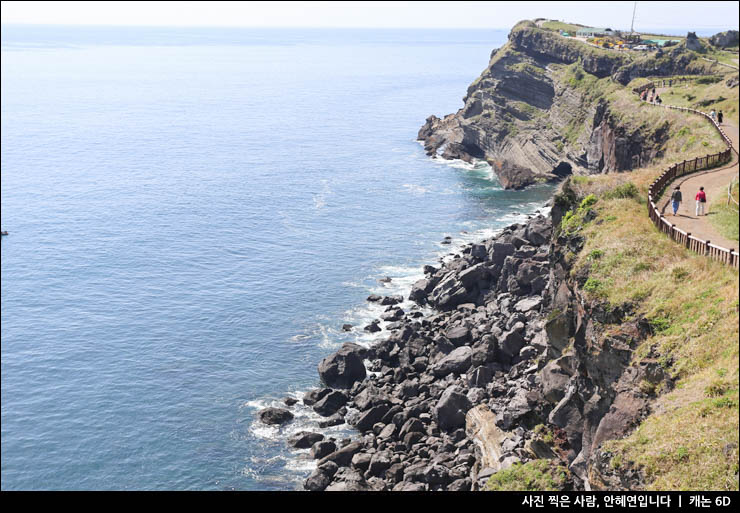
715,182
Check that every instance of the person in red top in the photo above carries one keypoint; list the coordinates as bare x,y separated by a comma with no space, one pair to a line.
701,199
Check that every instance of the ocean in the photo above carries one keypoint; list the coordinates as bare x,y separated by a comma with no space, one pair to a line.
193,214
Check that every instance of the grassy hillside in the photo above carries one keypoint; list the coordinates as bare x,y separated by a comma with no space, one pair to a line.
690,441
705,95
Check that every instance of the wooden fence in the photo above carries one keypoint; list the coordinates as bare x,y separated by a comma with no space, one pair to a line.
667,82
703,247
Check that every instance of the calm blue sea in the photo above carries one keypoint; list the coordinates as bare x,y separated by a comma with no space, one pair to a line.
193,215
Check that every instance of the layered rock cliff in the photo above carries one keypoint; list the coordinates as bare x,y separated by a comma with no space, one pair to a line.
538,112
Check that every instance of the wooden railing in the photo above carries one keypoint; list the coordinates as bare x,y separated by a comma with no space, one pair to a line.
668,81
720,63
703,247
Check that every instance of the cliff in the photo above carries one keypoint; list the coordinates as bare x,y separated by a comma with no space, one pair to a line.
543,109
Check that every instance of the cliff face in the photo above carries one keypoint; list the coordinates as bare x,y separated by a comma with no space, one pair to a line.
535,113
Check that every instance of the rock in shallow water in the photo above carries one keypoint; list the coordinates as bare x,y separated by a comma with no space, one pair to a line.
275,416
343,368
304,439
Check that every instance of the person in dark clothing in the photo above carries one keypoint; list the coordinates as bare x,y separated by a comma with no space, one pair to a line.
676,199
658,100
720,116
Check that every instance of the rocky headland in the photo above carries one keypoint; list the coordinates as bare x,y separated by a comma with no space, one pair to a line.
537,113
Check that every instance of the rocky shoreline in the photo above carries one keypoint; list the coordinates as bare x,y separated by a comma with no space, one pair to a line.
510,366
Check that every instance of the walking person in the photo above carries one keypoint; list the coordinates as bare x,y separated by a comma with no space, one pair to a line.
720,116
713,115
701,199
676,199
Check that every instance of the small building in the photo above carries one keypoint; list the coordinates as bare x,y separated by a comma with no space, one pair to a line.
659,42
594,32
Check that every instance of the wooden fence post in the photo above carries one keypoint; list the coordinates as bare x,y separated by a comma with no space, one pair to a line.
688,240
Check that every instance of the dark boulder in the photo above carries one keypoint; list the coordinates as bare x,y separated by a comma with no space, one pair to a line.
391,300
451,408
275,416
322,448
379,462
343,456
458,335
421,289
375,414
343,368
330,403
393,315
511,342
313,396
538,231
373,327
457,362
304,439
321,477
352,481
334,420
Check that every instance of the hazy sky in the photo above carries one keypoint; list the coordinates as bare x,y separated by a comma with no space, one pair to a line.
696,15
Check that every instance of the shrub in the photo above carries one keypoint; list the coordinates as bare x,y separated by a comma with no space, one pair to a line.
716,388
712,79
682,453
592,285
533,476
588,201
626,190
660,324
679,273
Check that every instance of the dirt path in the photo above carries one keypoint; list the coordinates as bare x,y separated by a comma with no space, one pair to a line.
715,184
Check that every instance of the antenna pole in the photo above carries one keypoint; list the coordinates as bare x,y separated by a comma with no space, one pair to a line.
632,27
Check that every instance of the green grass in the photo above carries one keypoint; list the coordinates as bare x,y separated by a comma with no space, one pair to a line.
527,67
704,97
557,26
533,476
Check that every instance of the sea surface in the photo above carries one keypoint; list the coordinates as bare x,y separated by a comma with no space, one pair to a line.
193,215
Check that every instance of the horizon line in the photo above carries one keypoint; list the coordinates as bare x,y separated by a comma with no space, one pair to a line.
17,24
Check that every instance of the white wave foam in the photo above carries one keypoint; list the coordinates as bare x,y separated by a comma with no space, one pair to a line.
319,199
417,190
